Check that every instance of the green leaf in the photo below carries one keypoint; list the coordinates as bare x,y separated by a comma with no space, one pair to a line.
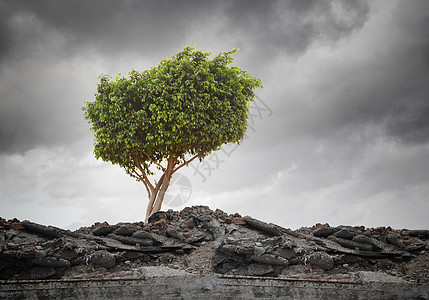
188,104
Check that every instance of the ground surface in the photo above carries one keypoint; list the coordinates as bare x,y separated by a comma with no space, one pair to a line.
198,240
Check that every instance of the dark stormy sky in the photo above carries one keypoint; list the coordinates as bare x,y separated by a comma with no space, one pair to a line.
339,135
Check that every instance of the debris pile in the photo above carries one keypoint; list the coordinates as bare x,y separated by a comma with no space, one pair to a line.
200,240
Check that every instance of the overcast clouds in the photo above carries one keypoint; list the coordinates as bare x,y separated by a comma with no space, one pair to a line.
343,139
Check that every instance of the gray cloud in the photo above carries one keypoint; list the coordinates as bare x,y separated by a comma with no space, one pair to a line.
149,27
409,114
40,104
382,82
269,29
110,28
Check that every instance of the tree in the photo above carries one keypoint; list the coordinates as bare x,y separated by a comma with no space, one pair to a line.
169,115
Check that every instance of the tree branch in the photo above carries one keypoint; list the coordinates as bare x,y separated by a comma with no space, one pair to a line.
146,180
158,185
135,174
159,165
184,164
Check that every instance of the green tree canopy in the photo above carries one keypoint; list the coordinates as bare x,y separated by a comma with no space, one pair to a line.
168,115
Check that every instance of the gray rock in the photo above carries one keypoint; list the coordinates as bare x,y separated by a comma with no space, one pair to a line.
269,228
108,243
198,236
235,249
101,258
41,229
345,234
287,253
174,233
416,245
395,239
325,245
351,244
68,254
258,250
39,254
104,229
217,230
10,234
52,245
419,233
52,261
231,227
264,227
223,264
131,240
270,259
324,231
377,245
271,243
360,238
70,251
142,234
321,260
125,230
189,222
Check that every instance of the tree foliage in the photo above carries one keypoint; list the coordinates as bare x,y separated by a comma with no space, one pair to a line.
182,109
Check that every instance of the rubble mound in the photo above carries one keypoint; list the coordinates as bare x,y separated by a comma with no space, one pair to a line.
202,241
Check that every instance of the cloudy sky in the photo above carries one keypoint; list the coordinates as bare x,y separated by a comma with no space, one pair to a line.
339,135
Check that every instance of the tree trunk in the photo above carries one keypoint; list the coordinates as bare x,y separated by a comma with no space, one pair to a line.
150,206
157,197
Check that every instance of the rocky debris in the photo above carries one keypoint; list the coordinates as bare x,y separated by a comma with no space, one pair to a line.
44,230
321,260
324,231
200,240
103,229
